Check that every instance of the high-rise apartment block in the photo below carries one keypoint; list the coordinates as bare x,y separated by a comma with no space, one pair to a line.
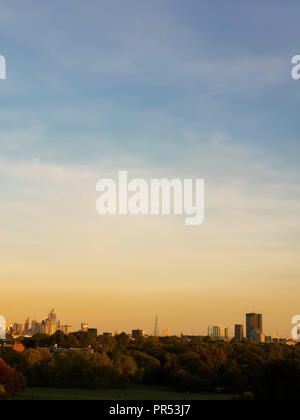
239,332
218,333
254,326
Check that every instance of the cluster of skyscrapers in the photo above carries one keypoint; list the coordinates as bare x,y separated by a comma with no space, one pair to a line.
254,330
47,326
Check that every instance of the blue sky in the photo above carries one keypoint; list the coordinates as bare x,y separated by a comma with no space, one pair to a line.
138,75
168,87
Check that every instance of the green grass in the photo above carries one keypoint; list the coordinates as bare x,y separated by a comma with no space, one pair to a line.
139,393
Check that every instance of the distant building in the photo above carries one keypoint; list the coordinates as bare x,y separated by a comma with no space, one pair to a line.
226,335
218,333
27,327
156,328
84,327
37,328
33,327
254,326
239,332
191,337
106,334
17,329
138,334
93,331
52,325
47,327
66,329
166,333
259,338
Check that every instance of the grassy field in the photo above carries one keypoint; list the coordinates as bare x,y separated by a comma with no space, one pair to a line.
135,394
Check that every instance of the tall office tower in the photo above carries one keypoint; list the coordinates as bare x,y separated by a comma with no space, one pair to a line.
210,331
254,325
84,327
53,322
26,326
156,328
47,327
52,317
239,332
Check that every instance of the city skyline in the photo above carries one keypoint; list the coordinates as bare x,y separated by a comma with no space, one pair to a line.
248,328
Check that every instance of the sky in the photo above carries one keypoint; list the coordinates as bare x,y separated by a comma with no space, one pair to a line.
161,88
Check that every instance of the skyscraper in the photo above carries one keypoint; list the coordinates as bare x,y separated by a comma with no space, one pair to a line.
254,325
84,327
239,332
156,328
27,326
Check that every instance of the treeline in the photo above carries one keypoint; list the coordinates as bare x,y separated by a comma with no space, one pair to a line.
269,372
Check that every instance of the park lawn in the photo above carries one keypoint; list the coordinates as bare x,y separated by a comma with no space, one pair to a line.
139,393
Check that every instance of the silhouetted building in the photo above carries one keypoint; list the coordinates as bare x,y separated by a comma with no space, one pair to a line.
138,334
254,326
93,331
239,332
192,337
226,334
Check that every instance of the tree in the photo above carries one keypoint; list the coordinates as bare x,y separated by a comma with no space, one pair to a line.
9,382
